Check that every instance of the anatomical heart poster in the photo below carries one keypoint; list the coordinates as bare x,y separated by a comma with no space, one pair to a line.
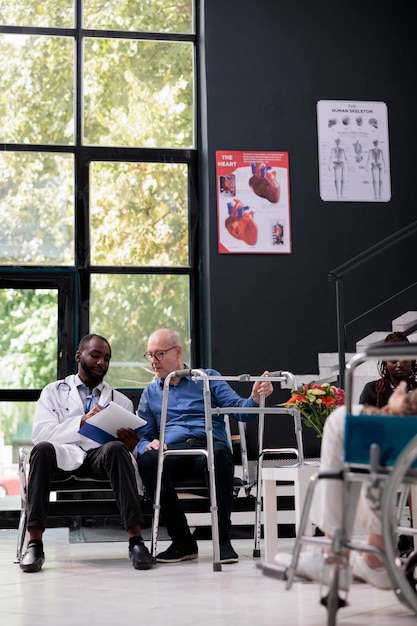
253,202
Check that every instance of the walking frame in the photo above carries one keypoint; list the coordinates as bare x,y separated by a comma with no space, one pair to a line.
261,411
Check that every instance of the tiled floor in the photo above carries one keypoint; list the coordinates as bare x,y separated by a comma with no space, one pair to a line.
94,584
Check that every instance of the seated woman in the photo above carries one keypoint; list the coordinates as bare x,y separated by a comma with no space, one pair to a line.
378,392
327,507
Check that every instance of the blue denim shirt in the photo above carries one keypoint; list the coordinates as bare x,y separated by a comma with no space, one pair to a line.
185,413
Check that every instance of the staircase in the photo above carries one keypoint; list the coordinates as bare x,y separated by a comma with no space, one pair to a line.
328,362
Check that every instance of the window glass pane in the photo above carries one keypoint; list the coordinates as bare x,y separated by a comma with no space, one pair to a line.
16,419
47,13
28,337
138,93
126,309
139,214
37,208
171,16
37,89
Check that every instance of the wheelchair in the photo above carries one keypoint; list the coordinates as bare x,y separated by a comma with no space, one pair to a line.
380,452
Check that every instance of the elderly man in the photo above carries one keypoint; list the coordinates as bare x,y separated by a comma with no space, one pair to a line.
185,428
61,450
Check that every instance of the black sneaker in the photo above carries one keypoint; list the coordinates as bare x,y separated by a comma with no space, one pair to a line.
227,553
33,558
177,552
140,556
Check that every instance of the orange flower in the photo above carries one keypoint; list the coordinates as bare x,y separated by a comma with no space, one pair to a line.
328,401
294,399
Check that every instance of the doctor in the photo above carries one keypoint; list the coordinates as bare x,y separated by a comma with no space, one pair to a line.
63,407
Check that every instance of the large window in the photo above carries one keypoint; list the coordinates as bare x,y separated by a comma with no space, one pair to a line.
98,182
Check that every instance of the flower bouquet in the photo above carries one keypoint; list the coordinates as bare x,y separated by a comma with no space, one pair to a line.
315,403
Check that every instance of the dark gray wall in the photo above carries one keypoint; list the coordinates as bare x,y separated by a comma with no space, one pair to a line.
267,64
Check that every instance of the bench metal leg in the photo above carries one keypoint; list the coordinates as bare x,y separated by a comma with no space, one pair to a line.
21,535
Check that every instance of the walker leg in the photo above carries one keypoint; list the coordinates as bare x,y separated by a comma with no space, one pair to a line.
333,602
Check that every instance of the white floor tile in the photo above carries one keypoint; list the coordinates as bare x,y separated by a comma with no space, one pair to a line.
91,584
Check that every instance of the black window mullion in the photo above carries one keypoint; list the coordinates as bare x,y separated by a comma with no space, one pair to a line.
78,293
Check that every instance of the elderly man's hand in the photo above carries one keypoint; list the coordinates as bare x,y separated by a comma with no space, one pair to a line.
261,387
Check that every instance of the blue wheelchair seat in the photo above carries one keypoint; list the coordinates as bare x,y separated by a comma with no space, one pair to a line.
390,432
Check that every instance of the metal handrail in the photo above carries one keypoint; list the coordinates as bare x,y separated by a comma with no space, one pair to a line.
341,271
373,251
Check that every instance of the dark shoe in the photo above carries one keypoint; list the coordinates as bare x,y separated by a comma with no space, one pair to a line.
405,545
227,554
33,558
178,552
140,556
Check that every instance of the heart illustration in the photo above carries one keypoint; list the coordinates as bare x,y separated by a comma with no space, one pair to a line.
263,182
240,223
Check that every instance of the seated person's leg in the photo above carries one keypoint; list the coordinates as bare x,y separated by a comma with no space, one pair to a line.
327,510
112,461
42,469
224,470
329,513
183,545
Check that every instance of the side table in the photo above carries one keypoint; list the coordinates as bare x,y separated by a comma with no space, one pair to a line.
300,476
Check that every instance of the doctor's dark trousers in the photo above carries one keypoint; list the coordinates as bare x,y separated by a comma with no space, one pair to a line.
112,462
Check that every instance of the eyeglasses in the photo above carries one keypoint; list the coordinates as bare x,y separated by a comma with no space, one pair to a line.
158,356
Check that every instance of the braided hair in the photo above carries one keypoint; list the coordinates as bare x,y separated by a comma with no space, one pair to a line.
383,384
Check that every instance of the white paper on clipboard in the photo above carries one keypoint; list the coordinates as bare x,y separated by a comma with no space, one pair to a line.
108,421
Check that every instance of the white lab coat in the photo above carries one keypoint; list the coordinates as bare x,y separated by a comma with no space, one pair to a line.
58,416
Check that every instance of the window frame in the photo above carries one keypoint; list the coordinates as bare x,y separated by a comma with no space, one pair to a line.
65,282
79,276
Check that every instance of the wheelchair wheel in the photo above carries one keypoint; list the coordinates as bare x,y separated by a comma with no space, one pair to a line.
402,571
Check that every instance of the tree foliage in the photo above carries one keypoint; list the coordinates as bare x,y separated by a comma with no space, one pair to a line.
37,208
127,308
28,354
170,16
135,93
139,214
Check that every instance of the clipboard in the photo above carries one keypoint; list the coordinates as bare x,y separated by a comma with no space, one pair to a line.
103,426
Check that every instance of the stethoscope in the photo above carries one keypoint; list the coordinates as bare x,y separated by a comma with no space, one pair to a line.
64,389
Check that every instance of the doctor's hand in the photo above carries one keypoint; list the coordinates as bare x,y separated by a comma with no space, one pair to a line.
129,437
93,411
